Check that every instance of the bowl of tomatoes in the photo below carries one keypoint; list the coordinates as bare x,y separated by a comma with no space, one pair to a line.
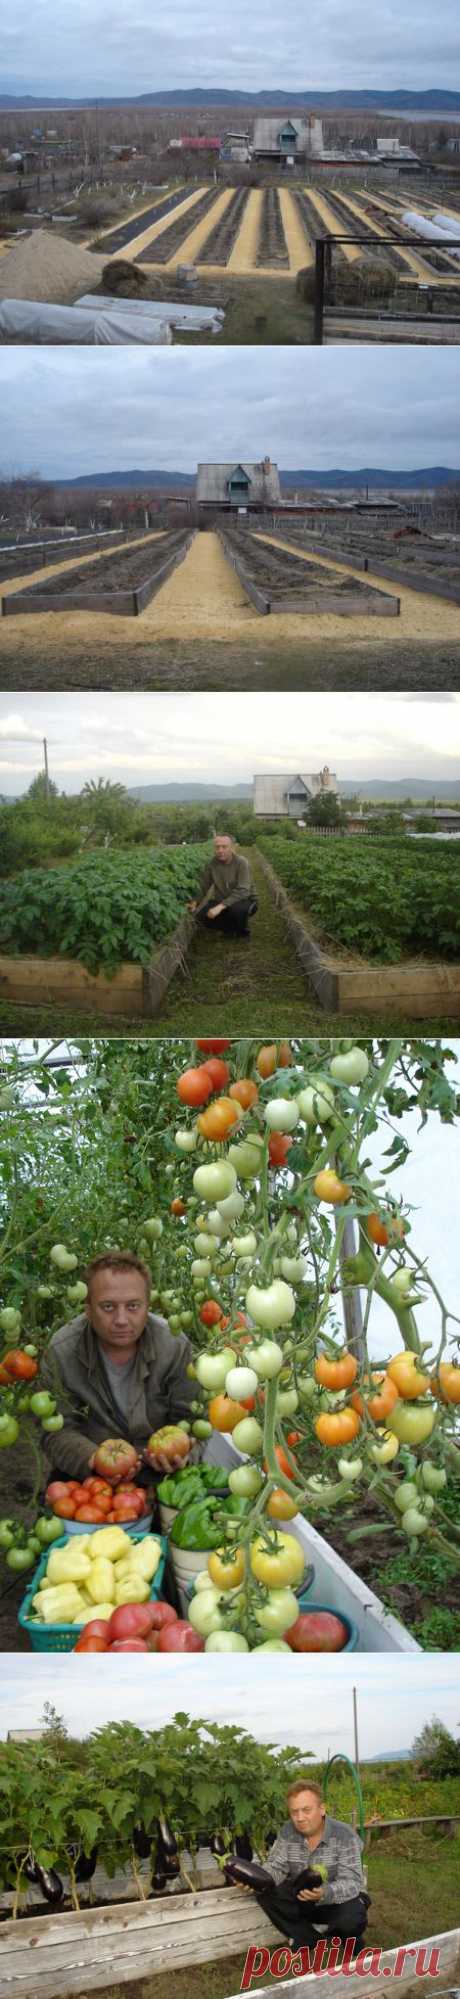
85,1504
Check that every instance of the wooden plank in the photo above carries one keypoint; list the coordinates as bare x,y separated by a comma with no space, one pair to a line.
165,963
427,586
257,597
351,606
145,591
447,1943
65,982
421,990
52,1955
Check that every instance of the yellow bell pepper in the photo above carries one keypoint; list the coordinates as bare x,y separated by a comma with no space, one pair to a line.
146,1556
133,1589
59,1605
101,1582
110,1541
97,1610
67,1565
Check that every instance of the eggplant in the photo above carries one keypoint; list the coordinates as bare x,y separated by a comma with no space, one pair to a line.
159,1879
218,1845
142,1842
169,1842
249,1872
243,1846
308,1878
51,1885
84,1864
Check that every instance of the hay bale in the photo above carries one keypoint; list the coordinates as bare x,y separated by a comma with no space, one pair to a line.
119,276
49,269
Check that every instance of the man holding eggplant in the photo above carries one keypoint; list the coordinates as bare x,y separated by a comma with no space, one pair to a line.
312,1884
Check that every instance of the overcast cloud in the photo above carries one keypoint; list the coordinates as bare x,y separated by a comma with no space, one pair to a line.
151,738
66,413
98,49
319,1722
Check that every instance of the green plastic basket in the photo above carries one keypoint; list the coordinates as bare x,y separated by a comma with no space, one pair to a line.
63,1637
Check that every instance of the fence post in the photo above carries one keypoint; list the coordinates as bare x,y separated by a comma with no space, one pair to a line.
318,321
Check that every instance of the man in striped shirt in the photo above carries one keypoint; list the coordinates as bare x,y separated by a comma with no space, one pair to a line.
311,1839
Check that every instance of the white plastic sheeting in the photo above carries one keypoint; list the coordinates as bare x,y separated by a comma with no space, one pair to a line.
422,227
54,324
186,318
448,222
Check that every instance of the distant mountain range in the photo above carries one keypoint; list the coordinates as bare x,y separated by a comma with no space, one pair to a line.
423,478
345,100
188,794
393,789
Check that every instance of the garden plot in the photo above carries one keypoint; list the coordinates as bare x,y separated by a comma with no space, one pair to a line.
425,562
174,246
122,583
146,236
331,222
298,242
272,247
221,241
116,239
287,585
412,262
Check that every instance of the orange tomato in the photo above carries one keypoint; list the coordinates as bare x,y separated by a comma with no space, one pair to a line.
328,1187
448,1381
283,1461
384,1230
19,1365
224,1414
245,1092
336,1373
218,1071
280,1506
278,1148
90,1513
276,1055
218,1120
378,1403
338,1427
177,1206
407,1376
194,1086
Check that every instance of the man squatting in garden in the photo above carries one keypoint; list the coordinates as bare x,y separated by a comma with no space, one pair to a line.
225,897
118,1371
310,1839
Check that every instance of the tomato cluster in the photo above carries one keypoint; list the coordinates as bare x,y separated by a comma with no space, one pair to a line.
93,1500
140,1627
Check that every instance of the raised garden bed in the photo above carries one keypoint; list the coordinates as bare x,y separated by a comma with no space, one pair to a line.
287,584
272,247
135,991
417,989
415,575
122,583
443,1949
17,559
219,245
43,1957
164,246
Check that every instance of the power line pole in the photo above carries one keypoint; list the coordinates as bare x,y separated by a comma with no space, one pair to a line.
46,771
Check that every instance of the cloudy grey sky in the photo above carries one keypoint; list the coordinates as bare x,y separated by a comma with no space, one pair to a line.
148,738
97,47
65,413
315,1712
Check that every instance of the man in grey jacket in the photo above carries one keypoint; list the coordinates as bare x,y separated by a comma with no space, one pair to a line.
116,1370
311,1839
225,898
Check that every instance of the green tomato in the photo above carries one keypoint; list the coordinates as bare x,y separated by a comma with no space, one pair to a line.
206,1245
63,1258
77,1292
316,1103
47,1530
215,1182
54,1423
201,1267
384,1453
273,1645
204,1613
272,1306
411,1422
247,1156
293,1268
185,1140
212,1368
203,1582
226,1641
10,1319
406,1495
153,1228
266,1359
428,1503
45,1291
8,1531
278,1613
287,1402
414,1522
248,1436
9,1431
240,1382
350,1468
231,1207
41,1403
434,1479
244,1245
307,1386
201,1429
246,1481
186,1319
282,1114
23,1402
19,1559
351,1068
216,1223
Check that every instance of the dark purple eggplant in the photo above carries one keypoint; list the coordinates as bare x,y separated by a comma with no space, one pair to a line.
218,1845
84,1864
142,1842
159,1879
51,1885
242,1846
307,1878
169,1842
249,1872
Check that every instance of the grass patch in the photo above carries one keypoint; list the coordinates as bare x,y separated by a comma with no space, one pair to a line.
198,665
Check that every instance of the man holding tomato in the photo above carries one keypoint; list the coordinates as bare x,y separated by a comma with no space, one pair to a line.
311,1839
226,898
118,1373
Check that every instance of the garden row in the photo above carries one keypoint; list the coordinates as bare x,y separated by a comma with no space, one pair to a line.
122,582
102,909
286,583
382,902
171,239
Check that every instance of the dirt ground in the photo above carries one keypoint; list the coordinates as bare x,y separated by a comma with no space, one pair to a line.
201,631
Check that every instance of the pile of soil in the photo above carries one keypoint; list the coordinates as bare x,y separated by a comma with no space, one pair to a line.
47,267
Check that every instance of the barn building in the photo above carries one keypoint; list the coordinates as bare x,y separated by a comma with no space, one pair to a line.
292,139
283,795
231,486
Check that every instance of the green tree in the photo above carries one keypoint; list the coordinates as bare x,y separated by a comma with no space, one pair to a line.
325,810
42,788
436,1750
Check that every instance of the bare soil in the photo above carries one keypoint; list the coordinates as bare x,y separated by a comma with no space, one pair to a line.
284,575
272,248
171,239
219,245
115,572
213,667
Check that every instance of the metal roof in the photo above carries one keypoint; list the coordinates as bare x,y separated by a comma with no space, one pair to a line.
213,482
271,790
267,132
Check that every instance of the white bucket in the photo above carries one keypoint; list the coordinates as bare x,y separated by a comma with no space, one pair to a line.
187,1563
167,1515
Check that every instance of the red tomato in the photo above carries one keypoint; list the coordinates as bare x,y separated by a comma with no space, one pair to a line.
128,1645
317,1631
57,1490
64,1508
194,1086
180,1637
160,1614
130,1620
213,1047
122,1509
177,1206
218,1071
90,1513
278,1148
98,1487
19,1366
210,1312
97,1628
91,1645
122,1498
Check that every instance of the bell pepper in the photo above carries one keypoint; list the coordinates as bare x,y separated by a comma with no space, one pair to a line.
145,1557
61,1605
104,1610
200,1525
101,1580
110,1541
68,1565
133,1589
